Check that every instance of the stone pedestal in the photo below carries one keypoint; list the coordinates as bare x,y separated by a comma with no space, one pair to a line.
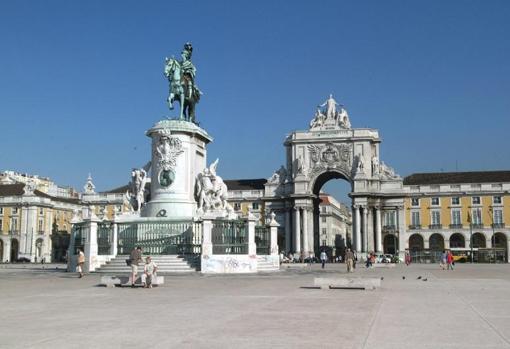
178,154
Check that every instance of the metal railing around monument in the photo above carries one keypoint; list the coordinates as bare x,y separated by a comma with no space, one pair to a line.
104,238
160,238
263,240
230,237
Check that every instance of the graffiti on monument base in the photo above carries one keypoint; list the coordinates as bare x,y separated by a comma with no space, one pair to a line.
229,264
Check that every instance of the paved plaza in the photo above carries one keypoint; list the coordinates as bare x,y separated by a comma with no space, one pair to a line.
465,308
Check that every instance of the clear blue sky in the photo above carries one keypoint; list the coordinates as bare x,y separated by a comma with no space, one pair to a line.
81,81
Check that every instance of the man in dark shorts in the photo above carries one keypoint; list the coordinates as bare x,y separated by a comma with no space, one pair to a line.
135,257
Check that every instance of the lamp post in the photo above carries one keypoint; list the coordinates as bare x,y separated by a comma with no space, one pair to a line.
492,238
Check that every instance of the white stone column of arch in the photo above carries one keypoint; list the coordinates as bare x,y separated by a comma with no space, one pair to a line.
311,238
297,230
365,229
357,228
305,232
378,230
7,250
288,235
401,230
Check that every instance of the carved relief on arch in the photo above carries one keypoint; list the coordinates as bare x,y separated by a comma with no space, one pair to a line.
330,156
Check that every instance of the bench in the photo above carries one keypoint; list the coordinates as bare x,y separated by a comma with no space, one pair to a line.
347,283
112,281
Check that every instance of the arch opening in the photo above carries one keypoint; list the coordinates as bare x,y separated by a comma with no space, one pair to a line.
390,244
332,218
416,243
478,240
457,241
436,242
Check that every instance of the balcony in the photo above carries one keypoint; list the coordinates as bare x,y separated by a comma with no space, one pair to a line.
498,225
415,226
455,226
477,225
391,227
435,226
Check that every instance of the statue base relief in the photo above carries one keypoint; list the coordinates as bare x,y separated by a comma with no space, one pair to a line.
179,153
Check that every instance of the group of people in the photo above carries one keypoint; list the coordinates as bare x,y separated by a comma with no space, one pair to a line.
349,259
135,259
447,261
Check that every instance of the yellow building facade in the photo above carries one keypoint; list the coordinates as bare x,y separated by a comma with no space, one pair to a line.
467,212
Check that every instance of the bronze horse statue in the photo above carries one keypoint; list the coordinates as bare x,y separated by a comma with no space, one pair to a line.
182,89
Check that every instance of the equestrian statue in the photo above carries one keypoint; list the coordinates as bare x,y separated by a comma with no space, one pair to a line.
181,76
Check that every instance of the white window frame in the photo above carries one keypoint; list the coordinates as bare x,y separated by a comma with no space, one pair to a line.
438,201
40,225
433,215
14,210
458,203
13,224
454,221
417,204
1,210
500,215
500,200
476,215
414,214
473,200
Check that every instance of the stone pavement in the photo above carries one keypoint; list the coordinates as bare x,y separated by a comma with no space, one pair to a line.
465,308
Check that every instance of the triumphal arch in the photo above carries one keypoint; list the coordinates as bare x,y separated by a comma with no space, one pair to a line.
329,149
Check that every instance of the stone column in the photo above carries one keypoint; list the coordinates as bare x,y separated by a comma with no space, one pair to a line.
401,231
91,246
7,250
207,247
378,234
357,227
115,233
426,244
488,242
306,248
288,235
297,231
508,249
370,230
311,233
273,226
252,246
364,247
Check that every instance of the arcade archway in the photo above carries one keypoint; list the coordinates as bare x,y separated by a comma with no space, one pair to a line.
416,243
390,243
479,240
457,240
436,242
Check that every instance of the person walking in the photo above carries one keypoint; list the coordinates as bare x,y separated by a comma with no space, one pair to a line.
324,257
449,260
408,258
81,262
135,258
349,260
443,262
